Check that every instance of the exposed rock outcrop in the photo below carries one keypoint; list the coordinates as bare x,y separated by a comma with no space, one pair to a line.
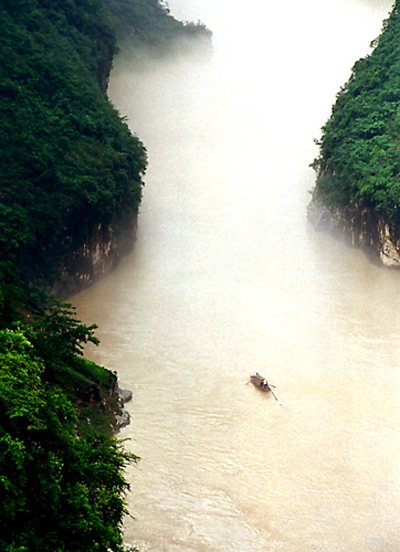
123,417
360,226
99,255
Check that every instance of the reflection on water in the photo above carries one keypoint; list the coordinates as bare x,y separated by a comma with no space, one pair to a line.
227,279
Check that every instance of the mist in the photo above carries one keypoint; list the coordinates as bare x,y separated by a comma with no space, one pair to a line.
227,279
275,71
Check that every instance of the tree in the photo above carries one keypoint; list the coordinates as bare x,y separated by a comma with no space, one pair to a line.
359,149
59,491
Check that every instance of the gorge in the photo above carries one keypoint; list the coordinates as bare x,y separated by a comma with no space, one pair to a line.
228,279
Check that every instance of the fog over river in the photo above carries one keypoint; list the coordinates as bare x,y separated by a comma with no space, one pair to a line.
228,279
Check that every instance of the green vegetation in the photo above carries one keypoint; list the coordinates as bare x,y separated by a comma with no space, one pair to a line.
147,24
68,161
61,478
69,164
360,145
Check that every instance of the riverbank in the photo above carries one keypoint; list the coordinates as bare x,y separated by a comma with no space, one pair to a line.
71,185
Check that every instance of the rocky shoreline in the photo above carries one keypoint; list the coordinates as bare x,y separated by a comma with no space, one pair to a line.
123,417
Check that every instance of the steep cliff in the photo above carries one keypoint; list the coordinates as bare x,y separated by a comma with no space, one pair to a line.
71,170
70,188
357,191
99,254
362,227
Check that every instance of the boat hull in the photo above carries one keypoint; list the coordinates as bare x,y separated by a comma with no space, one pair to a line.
260,382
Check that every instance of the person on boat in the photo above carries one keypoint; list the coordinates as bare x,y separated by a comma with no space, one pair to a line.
264,383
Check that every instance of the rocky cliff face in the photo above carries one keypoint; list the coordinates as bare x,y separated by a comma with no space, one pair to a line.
98,256
103,246
360,227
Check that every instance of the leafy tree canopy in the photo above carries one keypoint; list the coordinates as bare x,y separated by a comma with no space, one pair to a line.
359,149
69,163
61,485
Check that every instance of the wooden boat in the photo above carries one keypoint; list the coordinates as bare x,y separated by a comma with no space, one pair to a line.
260,382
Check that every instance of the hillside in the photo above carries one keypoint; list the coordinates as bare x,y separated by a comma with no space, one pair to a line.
71,182
148,25
358,169
69,163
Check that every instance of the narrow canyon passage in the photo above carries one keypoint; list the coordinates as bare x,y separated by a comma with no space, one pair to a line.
228,279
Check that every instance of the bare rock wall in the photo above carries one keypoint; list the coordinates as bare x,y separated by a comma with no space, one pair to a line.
360,226
98,256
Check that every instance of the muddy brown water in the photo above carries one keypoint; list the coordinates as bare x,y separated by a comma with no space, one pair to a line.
227,279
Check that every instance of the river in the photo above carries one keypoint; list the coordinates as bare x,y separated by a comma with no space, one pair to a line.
228,279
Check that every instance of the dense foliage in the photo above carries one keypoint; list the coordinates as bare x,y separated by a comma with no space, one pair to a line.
359,149
61,480
68,164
